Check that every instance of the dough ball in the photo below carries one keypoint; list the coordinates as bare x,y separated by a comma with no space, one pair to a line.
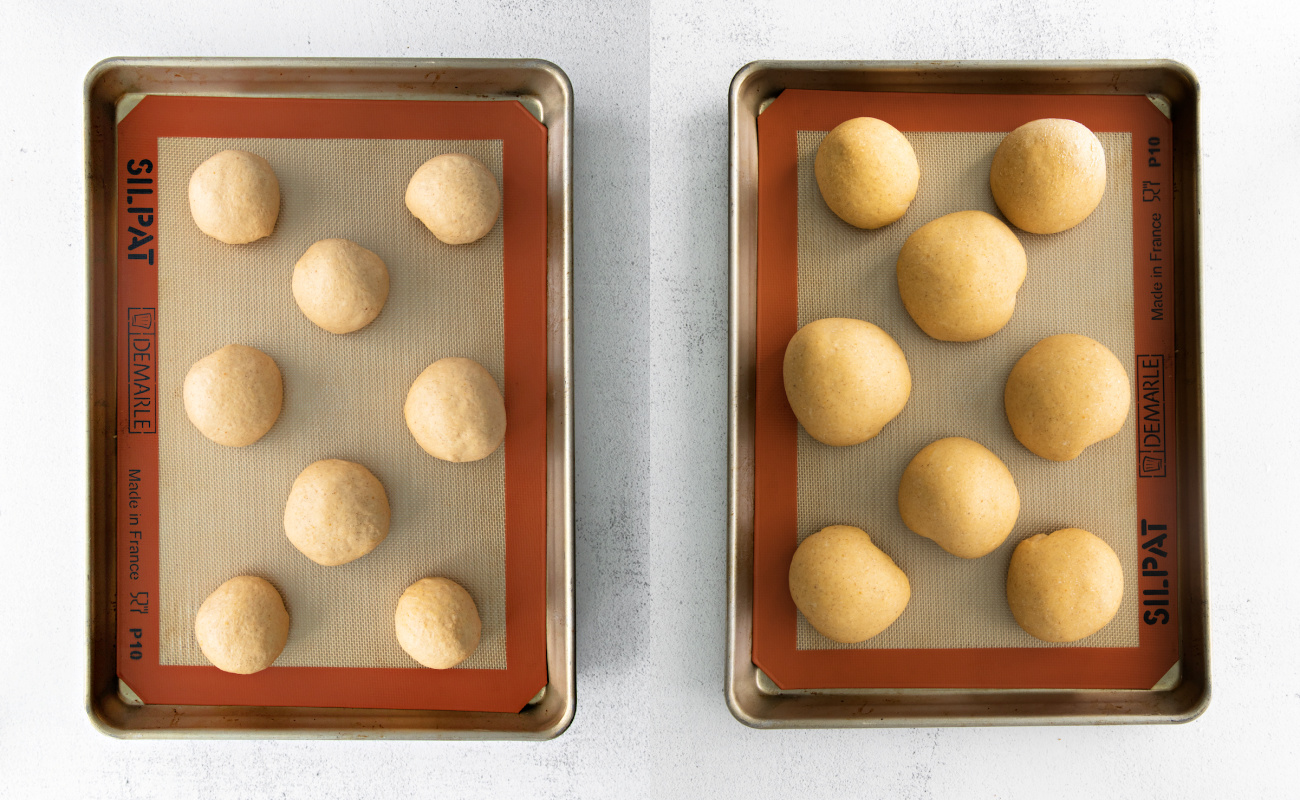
1066,393
958,493
846,586
455,410
340,285
845,379
235,197
958,276
1065,585
242,626
1048,175
233,396
456,197
437,623
867,172
337,512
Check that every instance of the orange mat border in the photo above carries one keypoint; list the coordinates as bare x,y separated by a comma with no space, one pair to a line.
524,219
775,447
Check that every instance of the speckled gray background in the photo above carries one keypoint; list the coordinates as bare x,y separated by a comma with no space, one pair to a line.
650,85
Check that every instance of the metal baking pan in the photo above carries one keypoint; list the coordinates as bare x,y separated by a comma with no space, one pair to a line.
752,696
545,91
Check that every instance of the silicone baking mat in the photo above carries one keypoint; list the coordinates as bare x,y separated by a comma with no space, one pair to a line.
205,513
1096,279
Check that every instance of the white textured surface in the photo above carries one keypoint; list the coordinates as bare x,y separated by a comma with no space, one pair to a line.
650,84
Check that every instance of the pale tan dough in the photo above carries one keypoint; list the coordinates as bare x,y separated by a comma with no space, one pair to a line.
242,626
456,197
1048,175
848,589
235,197
233,396
958,276
437,623
337,512
340,285
867,172
1065,585
1066,393
959,494
845,379
455,410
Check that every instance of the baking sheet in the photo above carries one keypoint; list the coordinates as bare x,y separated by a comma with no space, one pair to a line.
221,509
1078,281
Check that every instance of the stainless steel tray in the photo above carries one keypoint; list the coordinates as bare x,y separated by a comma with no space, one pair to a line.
755,699
542,88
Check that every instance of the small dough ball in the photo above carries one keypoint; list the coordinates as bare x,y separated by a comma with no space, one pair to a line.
846,586
242,626
867,172
437,623
233,396
1065,585
455,410
958,493
235,197
337,512
1048,175
958,276
1066,393
845,379
456,197
340,285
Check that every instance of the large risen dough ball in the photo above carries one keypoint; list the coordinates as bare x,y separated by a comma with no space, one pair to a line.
233,396
1065,585
456,197
455,410
846,586
867,172
958,493
340,285
845,379
337,512
958,276
1066,393
235,197
437,623
1048,175
242,626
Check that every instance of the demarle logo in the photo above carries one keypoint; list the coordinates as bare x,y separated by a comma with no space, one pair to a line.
1151,416
141,359
140,320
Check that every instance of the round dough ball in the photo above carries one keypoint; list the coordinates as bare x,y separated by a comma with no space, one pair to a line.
1048,175
846,586
1066,393
233,396
456,197
337,512
437,623
235,197
867,172
845,379
455,410
958,276
242,626
340,285
1065,585
958,493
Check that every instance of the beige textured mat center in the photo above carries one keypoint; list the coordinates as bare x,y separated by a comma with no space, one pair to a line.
1079,281
220,509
